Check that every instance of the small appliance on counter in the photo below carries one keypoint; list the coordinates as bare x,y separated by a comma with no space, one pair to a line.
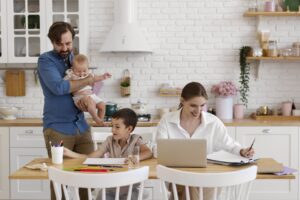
110,108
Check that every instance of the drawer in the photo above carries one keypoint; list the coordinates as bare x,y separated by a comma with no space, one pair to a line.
26,137
267,130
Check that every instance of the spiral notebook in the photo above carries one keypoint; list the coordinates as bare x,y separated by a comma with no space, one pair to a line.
225,158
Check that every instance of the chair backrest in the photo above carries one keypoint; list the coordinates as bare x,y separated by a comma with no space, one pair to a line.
99,137
72,181
242,179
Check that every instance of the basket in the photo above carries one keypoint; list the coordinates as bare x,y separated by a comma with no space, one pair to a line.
125,84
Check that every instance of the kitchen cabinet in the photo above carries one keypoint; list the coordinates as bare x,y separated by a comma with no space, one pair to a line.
280,143
26,144
4,162
25,25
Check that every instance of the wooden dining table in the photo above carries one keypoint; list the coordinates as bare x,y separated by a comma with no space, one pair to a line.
25,173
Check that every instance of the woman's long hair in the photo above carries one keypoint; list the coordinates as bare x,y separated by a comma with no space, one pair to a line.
191,90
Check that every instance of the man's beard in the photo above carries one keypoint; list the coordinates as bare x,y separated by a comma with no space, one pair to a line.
64,54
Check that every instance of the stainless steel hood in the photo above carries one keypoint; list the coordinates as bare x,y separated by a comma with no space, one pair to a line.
125,35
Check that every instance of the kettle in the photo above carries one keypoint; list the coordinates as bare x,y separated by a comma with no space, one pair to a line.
139,108
110,108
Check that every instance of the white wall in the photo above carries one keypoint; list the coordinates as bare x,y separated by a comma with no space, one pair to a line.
192,40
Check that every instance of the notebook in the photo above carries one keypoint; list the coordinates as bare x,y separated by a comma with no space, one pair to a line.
225,158
181,152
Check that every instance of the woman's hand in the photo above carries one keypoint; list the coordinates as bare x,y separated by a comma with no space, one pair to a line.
247,152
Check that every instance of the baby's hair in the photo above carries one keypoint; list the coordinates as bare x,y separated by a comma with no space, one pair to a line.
128,116
80,58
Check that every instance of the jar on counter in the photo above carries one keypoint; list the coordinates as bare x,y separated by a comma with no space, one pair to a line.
272,48
296,49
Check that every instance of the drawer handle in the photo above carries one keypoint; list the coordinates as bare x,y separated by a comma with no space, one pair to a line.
266,131
29,132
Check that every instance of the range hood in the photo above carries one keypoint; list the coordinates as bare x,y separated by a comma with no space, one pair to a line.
125,35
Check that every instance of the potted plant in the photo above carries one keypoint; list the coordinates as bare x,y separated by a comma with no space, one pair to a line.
244,74
224,92
125,87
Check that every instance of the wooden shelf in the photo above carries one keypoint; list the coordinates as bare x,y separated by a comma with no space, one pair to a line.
254,14
286,58
169,95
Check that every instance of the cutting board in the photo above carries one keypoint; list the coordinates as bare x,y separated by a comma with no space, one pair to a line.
15,82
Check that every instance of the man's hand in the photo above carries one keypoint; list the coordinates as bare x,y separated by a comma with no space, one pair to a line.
82,104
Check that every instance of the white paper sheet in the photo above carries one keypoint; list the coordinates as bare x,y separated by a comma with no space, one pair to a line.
104,161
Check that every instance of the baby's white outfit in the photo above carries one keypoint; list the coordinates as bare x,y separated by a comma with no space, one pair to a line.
76,97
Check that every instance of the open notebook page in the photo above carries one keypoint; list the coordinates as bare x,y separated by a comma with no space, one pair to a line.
104,161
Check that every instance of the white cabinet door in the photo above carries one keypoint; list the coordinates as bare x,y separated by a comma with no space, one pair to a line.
4,162
27,189
26,30
25,24
280,143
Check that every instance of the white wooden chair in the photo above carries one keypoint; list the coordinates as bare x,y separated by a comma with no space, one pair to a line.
72,181
242,179
99,137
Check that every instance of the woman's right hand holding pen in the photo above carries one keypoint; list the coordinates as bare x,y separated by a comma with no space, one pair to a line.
248,152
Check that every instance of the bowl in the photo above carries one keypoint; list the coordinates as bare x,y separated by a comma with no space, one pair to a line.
9,113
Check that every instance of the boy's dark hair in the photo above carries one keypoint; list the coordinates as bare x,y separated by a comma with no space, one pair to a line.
129,117
59,28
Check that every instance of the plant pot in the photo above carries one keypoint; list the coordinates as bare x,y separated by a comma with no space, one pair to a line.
238,111
125,91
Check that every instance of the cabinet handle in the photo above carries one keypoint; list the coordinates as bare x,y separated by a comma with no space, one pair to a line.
28,132
266,131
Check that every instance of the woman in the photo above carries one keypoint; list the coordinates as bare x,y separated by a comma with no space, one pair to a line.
190,121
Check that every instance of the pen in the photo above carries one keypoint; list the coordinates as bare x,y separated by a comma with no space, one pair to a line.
252,144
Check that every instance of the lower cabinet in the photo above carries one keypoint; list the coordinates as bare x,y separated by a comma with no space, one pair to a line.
26,144
4,162
280,143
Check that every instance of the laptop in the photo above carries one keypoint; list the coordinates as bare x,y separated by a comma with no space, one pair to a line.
181,152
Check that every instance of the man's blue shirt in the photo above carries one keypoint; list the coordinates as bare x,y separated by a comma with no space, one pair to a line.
60,112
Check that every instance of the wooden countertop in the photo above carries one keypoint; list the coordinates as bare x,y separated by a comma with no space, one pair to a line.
24,173
154,122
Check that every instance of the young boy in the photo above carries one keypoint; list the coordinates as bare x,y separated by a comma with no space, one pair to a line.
79,70
119,145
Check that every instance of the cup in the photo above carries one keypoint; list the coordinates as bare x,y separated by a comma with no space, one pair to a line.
286,108
134,158
296,112
57,154
238,111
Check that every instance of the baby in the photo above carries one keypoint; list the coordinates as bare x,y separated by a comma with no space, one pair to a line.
79,70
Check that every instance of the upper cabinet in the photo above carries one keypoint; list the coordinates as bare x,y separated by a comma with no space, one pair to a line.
27,23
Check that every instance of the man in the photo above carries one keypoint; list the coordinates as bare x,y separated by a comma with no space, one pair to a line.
62,121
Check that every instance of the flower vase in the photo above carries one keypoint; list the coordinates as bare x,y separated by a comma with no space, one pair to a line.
224,107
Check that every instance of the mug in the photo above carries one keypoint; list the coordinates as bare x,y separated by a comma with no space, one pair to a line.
286,108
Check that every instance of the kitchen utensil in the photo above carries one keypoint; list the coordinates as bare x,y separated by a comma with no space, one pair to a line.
110,108
9,113
139,108
15,82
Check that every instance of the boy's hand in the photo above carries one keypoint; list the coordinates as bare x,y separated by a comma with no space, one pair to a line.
67,152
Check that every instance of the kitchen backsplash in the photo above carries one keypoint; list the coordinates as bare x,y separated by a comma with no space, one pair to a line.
192,40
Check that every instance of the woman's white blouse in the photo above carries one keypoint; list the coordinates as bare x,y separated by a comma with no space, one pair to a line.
211,128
